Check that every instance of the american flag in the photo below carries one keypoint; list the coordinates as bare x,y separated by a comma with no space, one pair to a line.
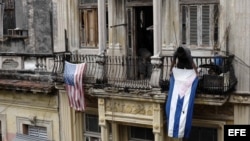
73,76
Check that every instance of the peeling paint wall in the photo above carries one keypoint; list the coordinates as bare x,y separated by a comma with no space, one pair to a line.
238,17
35,16
15,106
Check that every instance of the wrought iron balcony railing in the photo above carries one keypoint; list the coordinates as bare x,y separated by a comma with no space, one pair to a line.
216,73
119,72
128,72
89,75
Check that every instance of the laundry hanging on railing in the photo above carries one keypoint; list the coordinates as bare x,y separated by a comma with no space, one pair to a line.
180,101
73,79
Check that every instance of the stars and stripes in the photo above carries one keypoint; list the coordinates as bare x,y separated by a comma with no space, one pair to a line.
180,101
73,79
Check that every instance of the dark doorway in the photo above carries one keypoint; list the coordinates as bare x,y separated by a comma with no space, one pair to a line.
144,30
203,134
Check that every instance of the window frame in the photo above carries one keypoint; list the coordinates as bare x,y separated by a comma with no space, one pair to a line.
139,139
88,15
90,134
185,37
90,7
27,129
219,125
33,121
10,22
197,133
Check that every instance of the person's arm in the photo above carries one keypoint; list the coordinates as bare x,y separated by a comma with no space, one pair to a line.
192,61
171,66
195,68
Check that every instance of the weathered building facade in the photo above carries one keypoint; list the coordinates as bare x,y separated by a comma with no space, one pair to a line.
29,103
128,46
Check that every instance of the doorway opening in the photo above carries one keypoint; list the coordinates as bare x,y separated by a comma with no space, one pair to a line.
144,31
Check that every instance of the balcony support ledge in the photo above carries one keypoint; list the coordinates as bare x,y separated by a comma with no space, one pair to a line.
215,100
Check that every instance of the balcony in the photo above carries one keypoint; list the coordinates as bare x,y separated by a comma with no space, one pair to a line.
40,73
26,72
122,73
216,78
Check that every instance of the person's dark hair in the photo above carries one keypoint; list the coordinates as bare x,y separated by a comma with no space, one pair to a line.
180,51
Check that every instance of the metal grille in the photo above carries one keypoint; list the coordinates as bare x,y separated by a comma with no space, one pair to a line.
37,131
128,72
23,137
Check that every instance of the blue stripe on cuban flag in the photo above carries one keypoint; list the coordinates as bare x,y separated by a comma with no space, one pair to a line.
180,101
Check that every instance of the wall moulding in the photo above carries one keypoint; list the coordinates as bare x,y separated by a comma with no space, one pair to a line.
240,98
129,107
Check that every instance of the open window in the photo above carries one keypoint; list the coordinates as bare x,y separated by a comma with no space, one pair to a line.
7,15
11,19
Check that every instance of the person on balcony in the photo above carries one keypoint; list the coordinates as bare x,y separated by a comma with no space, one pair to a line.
183,83
144,63
183,60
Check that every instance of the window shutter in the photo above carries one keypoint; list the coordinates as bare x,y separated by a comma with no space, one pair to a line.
1,19
83,28
91,28
205,25
184,24
23,137
193,25
89,32
215,17
200,27
37,131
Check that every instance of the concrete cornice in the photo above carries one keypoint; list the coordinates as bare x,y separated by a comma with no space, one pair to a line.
240,98
217,100
150,96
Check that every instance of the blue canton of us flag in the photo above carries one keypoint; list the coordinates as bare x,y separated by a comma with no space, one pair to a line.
69,73
73,76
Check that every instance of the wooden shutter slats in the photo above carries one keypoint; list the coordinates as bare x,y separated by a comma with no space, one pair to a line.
193,25
198,24
205,25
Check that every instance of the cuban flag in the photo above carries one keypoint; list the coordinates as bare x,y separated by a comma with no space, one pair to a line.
180,101
73,76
